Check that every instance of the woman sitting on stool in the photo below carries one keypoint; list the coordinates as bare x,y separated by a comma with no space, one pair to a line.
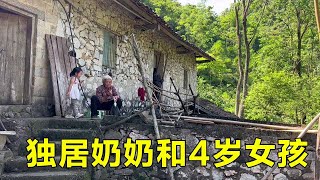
106,96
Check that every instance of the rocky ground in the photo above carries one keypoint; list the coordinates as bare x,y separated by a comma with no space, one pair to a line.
192,133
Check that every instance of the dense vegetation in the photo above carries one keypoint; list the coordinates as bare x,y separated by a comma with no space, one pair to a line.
266,51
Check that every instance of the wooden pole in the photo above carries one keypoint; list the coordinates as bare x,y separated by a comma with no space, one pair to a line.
125,119
317,160
149,96
177,93
144,82
194,99
222,121
309,126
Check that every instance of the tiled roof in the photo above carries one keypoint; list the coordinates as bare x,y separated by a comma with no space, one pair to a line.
165,27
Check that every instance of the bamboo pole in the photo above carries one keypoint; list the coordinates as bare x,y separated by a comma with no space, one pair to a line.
145,84
317,160
125,119
309,126
177,93
222,121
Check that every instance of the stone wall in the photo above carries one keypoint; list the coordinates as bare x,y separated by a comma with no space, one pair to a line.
192,134
89,21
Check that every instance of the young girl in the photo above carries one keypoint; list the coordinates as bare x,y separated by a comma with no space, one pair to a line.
73,92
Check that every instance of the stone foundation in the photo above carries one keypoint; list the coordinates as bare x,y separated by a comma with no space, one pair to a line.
29,128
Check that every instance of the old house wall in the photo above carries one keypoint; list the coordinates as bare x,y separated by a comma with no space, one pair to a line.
44,21
89,21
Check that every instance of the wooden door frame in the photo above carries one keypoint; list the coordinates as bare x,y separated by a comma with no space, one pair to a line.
162,56
33,15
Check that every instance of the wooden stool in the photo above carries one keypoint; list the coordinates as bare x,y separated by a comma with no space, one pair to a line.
103,113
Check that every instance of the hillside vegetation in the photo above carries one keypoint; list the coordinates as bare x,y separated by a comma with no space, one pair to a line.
267,56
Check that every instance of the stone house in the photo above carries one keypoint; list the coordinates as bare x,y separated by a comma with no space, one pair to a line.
100,31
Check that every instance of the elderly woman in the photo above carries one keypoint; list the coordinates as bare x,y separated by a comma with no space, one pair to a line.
106,95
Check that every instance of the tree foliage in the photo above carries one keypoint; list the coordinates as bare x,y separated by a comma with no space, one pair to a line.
284,65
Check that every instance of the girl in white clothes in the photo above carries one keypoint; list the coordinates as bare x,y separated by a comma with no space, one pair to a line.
73,93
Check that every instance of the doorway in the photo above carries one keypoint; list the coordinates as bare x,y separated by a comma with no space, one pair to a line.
159,63
15,42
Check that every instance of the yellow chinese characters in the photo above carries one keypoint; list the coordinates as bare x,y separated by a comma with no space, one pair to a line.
101,152
163,150
171,150
74,153
258,159
297,151
41,150
228,153
202,148
135,151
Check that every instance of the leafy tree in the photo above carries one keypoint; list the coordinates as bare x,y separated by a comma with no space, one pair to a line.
276,44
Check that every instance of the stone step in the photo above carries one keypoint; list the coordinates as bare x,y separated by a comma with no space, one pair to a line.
63,123
22,151
59,134
19,165
48,175
73,124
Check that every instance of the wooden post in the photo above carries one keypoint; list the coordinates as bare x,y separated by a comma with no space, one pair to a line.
309,126
145,84
194,99
177,93
317,158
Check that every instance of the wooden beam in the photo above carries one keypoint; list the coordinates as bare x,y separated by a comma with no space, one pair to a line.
151,18
182,50
305,130
203,61
223,121
184,43
146,27
134,9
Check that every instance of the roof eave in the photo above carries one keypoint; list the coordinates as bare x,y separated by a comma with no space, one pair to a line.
154,18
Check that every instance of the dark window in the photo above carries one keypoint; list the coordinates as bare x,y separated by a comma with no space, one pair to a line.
109,50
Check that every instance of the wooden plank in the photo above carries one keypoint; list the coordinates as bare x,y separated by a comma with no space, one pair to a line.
66,57
61,70
72,59
3,55
62,55
28,66
53,74
11,60
58,71
73,62
63,65
22,45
